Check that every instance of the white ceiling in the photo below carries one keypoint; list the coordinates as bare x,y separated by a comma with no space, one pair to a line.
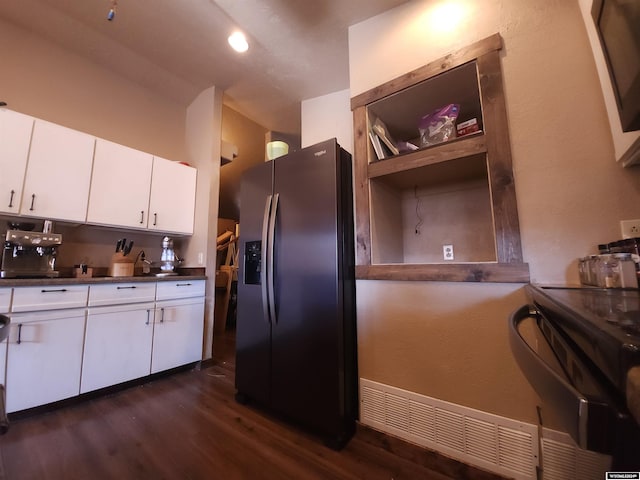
298,48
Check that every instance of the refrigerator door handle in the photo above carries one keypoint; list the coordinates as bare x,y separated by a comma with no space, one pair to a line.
270,272
263,255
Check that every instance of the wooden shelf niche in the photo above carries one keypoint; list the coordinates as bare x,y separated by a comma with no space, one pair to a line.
459,192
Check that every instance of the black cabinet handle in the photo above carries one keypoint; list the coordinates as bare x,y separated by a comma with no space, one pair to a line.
125,288
148,316
183,284
141,217
33,199
161,315
19,333
155,219
13,192
53,291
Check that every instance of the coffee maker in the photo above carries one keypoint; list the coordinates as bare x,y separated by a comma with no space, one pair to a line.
30,254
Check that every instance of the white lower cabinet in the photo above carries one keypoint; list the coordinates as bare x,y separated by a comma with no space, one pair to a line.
65,340
117,345
5,302
177,333
44,357
5,299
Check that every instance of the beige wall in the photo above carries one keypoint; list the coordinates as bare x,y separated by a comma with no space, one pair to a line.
449,340
40,79
249,137
329,113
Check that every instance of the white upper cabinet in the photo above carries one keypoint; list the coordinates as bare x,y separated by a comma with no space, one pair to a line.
15,136
58,173
120,186
172,201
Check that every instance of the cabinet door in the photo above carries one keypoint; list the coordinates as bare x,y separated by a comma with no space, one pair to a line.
58,173
117,345
173,195
120,186
175,289
44,358
177,334
15,136
5,303
5,299
109,294
3,361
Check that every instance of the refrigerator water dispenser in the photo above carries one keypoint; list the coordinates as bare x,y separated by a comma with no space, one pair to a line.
252,262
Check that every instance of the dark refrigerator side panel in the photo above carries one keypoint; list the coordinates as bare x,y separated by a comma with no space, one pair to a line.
349,342
253,331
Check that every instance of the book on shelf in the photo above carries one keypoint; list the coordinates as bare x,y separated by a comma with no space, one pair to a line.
377,146
380,129
380,148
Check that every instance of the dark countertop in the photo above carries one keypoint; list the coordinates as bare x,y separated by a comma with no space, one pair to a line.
35,282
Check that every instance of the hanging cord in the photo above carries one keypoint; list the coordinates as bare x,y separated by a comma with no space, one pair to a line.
418,216
112,11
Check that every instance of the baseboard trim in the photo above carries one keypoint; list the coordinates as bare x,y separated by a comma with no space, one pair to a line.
422,456
490,442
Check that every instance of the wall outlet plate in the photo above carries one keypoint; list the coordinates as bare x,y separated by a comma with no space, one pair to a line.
630,228
447,252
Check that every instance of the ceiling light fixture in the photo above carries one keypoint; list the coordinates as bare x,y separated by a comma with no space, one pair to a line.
238,42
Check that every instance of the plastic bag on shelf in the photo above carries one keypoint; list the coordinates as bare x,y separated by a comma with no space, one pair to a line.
439,125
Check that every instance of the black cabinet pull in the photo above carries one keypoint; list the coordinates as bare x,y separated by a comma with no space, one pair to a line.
155,219
19,333
13,192
183,284
33,199
53,291
161,315
141,217
125,288
148,316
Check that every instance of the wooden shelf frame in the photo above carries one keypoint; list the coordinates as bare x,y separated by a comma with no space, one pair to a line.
493,142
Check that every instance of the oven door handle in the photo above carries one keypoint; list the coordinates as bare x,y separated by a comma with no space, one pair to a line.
551,387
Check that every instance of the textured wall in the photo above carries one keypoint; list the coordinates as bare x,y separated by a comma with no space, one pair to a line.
449,340
249,137
40,79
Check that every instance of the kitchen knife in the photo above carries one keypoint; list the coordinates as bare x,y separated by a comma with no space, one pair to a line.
127,249
118,244
124,244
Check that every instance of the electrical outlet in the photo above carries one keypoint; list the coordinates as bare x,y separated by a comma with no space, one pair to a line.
630,228
447,252
200,258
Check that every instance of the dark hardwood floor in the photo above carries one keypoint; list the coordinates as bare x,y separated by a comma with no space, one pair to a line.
188,426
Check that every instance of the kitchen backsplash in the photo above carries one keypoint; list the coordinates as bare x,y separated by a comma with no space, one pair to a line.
94,246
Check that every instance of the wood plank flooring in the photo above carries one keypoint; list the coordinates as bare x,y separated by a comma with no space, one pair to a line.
188,426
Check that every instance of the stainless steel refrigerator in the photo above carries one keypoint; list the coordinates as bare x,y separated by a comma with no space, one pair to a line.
295,328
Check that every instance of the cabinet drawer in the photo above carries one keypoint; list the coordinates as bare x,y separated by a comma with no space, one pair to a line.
180,289
5,299
29,299
121,293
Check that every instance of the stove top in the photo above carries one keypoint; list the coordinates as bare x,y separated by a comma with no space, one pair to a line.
615,311
603,323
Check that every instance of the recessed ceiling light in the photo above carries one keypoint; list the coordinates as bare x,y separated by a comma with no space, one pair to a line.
238,42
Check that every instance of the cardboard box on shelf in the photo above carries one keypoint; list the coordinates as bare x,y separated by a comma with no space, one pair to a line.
465,128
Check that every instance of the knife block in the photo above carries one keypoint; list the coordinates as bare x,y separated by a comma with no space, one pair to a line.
120,266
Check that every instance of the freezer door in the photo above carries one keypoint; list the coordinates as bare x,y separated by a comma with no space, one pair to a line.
253,329
307,329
